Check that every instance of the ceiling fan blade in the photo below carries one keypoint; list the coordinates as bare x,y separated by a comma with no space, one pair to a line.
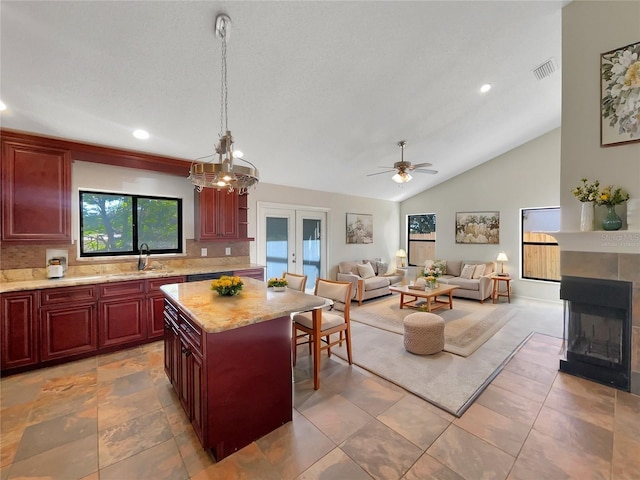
387,171
387,167
419,165
425,170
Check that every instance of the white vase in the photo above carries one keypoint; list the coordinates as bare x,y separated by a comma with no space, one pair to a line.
633,214
586,217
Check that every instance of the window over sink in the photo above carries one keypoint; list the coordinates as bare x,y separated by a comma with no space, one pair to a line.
117,224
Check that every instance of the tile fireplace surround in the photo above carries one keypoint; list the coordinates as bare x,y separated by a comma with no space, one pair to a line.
613,266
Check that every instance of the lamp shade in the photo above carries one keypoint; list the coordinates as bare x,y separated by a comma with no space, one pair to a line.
401,253
502,257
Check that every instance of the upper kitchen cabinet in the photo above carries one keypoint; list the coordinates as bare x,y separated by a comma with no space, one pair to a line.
36,193
216,215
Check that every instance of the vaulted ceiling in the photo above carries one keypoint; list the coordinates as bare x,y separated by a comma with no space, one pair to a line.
319,92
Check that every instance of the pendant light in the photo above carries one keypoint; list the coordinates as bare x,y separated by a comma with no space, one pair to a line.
224,174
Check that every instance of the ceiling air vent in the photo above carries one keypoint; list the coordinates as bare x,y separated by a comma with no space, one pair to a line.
545,70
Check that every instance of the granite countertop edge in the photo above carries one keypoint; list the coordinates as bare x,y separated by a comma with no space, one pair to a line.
71,281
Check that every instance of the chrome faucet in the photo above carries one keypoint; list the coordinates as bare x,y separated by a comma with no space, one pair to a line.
143,250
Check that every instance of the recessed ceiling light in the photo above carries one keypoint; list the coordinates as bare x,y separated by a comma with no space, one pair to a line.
141,134
485,88
3,107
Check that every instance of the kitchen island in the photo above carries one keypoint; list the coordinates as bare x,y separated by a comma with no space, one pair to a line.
229,359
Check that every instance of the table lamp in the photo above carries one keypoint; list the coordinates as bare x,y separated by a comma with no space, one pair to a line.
502,257
401,254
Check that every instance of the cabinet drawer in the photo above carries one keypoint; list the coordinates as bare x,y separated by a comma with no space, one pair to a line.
120,289
170,311
57,296
191,332
154,284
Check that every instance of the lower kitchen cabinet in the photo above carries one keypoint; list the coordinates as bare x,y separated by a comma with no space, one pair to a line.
68,322
184,366
121,321
155,304
67,331
122,313
18,329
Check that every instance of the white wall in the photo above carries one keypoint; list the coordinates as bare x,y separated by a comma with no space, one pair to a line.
385,222
590,28
526,177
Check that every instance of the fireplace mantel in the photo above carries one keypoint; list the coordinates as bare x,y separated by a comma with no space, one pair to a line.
619,241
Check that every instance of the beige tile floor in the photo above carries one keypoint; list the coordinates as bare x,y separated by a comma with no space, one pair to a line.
116,417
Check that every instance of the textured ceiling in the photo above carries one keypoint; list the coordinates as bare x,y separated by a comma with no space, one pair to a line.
319,92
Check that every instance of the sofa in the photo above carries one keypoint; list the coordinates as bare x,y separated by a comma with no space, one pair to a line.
370,278
473,281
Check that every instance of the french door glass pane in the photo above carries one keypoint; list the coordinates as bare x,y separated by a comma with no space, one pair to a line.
311,257
277,246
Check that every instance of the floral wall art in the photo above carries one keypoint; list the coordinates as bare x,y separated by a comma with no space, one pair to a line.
478,227
620,106
359,228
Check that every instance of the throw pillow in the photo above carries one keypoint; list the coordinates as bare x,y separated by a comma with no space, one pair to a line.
382,267
467,271
366,271
479,270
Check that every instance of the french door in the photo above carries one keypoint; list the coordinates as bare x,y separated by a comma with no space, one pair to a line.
292,240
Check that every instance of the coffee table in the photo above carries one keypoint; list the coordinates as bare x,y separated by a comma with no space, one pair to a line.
430,294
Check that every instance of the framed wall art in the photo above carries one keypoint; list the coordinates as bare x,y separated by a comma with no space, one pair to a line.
478,227
359,228
620,97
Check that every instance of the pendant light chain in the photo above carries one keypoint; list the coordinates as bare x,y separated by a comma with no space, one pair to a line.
224,104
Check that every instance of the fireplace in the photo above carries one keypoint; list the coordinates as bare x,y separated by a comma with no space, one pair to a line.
597,330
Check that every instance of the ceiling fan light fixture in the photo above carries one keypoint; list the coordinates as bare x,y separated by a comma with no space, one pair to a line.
224,174
401,177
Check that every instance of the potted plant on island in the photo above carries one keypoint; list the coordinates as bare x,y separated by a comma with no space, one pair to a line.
227,286
278,284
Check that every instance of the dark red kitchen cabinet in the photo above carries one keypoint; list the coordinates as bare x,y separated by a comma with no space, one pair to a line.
155,304
216,215
122,315
68,331
19,329
36,193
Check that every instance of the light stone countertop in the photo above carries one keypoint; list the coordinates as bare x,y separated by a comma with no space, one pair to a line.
254,304
70,280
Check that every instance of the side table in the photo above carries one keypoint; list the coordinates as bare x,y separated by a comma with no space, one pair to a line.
496,288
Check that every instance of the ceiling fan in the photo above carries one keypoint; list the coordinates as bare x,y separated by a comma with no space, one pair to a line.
403,168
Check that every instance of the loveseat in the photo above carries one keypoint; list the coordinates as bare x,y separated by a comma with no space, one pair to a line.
472,280
370,278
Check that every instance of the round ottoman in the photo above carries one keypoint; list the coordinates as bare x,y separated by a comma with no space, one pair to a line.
423,333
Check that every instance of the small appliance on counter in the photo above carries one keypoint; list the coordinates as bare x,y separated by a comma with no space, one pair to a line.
56,263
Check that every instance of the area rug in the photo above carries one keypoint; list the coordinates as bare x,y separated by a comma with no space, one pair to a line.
451,382
467,326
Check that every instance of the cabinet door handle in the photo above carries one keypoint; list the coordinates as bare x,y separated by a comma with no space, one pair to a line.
186,351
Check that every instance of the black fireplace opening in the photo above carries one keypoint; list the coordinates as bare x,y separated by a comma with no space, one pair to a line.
597,330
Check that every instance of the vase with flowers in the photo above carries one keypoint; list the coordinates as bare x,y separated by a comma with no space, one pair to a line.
587,193
227,286
432,273
610,197
278,284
